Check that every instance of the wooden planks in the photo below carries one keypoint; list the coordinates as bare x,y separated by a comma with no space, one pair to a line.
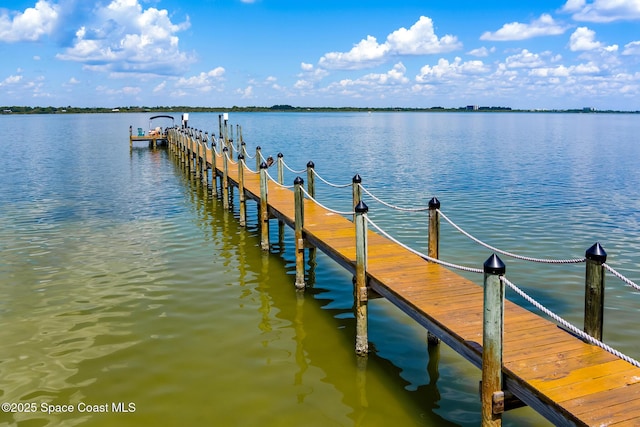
568,381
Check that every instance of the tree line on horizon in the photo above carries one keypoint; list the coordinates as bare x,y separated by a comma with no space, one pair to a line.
276,108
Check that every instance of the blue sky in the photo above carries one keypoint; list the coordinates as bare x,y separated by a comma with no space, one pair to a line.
403,53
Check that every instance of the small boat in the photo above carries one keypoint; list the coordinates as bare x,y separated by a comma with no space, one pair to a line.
158,130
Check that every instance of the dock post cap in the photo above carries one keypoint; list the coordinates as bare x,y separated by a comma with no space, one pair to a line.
280,155
357,179
225,149
434,203
310,164
258,148
243,143
361,207
298,181
494,265
596,253
240,156
263,165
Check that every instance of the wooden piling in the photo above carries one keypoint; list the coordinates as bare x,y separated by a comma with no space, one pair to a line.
241,195
434,229
492,395
280,166
311,181
214,169
360,286
356,191
298,224
225,178
594,291
264,208
258,158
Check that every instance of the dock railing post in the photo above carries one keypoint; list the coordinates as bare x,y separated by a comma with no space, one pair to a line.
280,165
264,211
241,195
360,288
492,395
225,177
594,291
258,158
434,229
356,191
299,224
214,169
311,189
311,180
434,247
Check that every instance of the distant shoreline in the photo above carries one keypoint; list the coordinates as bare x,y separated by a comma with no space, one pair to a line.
7,110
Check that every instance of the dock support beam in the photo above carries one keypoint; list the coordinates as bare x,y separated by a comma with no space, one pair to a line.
356,191
594,291
360,288
434,248
264,208
225,178
299,224
241,195
492,394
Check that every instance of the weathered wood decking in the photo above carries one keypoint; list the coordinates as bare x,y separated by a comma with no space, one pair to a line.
563,378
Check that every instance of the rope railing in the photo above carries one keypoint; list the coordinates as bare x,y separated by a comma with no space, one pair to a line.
323,206
330,184
621,277
276,181
395,207
292,170
420,254
576,331
510,254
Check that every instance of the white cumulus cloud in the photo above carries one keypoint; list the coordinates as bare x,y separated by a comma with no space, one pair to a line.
603,10
122,37
29,25
419,39
584,39
543,26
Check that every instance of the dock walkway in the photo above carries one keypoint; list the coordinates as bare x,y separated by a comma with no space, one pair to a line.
568,381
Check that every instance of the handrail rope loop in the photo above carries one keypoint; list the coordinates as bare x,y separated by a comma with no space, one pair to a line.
291,170
247,155
398,208
621,277
512,255
420,254
329,183
276,182
323,206
230,159
248,168
572,328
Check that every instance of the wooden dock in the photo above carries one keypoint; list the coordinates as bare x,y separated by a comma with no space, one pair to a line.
567,380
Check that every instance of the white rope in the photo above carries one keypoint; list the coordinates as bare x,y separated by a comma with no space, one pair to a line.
398,208
512,255
248,168
329,183
323,206
246,153
584,336
291,170
621,277
420,254
277,183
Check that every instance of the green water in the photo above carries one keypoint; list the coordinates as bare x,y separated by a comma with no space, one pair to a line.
125,285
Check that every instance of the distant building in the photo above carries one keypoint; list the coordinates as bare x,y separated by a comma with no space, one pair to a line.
588,109
472,108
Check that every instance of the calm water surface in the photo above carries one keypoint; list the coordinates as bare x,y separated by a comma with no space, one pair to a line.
123,281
